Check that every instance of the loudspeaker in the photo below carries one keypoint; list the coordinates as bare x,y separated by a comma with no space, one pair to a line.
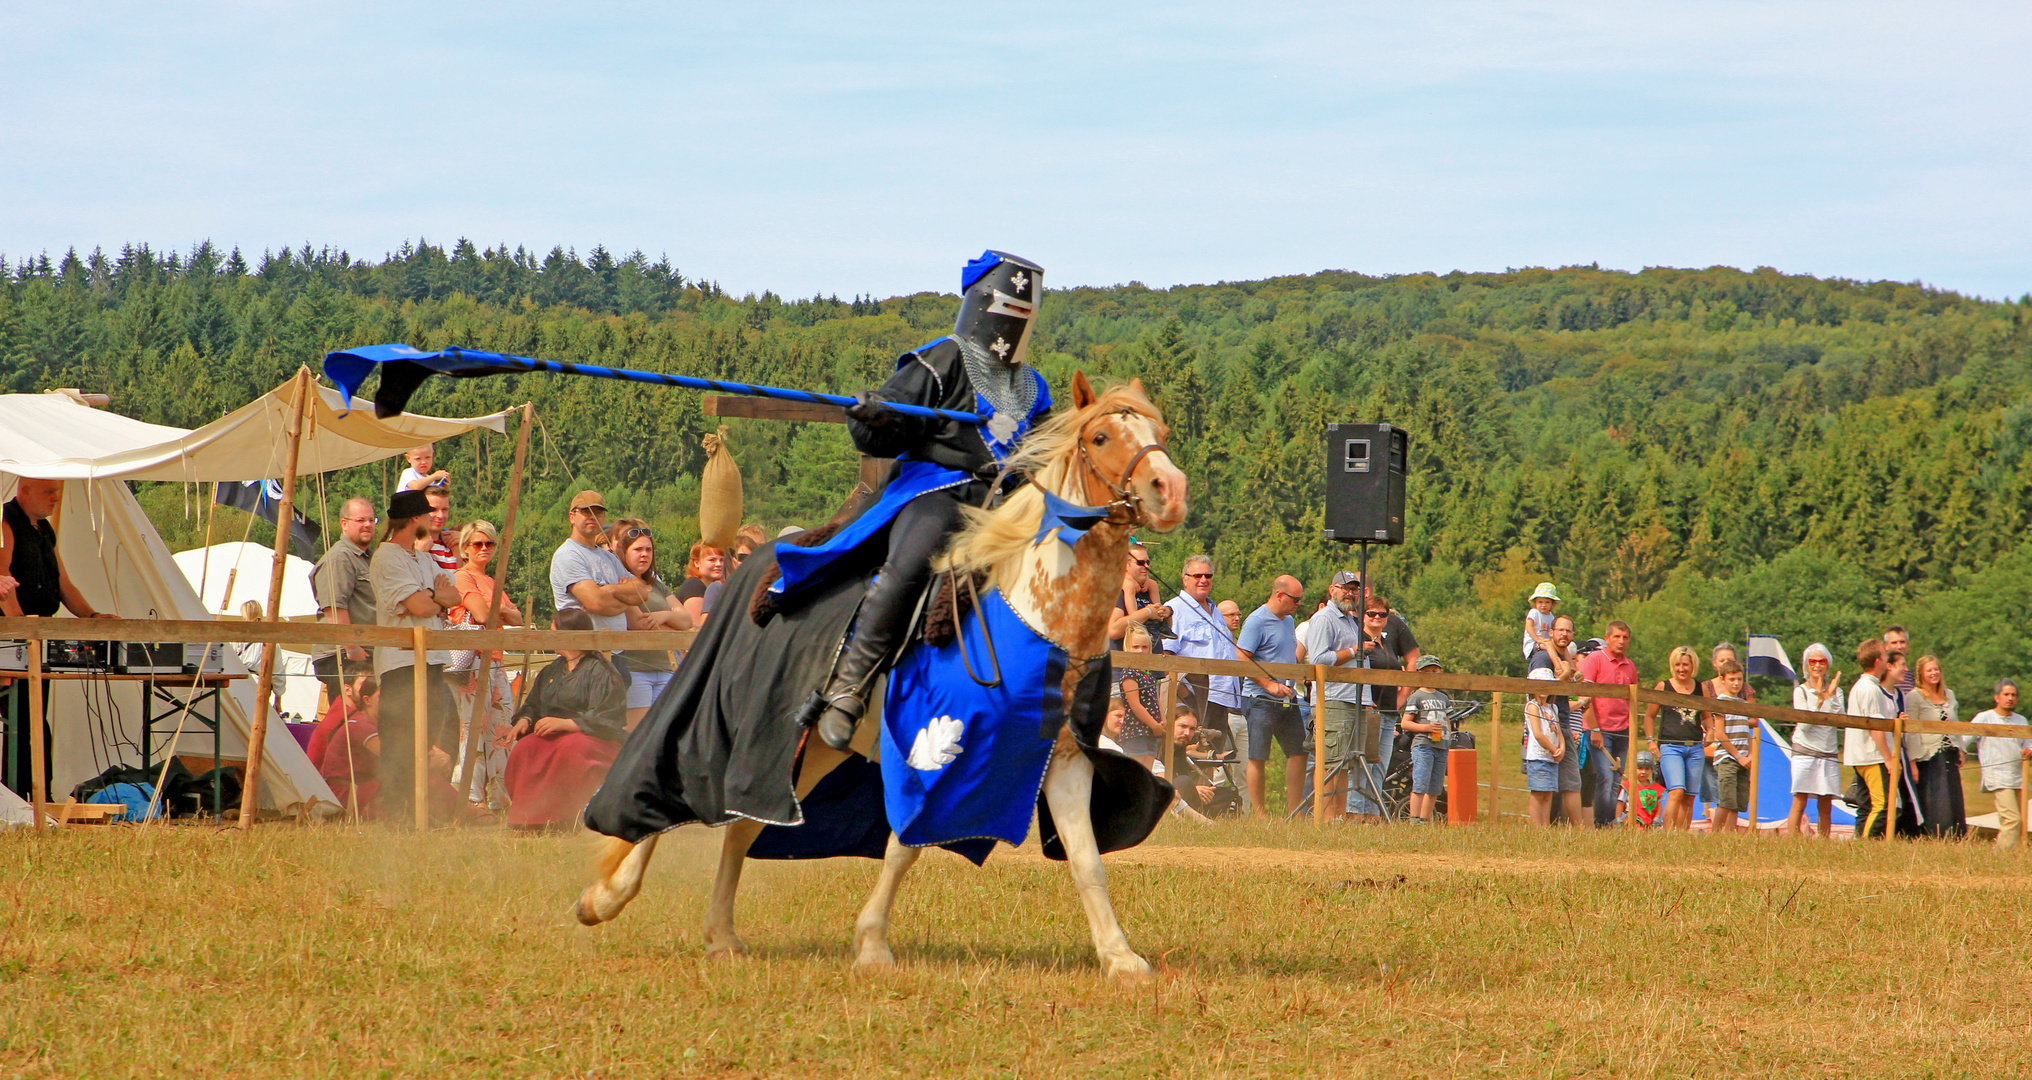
1365,483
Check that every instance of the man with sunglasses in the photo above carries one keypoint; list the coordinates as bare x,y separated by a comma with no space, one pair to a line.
1203,632
344,590
1269,636
1138,606
584,574
1343,635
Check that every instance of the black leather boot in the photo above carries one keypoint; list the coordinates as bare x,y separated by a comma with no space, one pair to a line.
836,710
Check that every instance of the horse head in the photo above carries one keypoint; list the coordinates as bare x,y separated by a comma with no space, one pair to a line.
1122,460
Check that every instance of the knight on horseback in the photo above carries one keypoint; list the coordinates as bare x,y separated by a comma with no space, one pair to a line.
943,465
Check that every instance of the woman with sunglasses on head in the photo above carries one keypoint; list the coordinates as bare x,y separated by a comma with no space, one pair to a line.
632,542
477,542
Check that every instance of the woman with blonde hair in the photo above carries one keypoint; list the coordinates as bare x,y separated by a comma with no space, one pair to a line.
1677,743
1816,748
1936,759
476,544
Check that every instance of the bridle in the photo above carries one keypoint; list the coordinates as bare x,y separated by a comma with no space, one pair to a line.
1125,496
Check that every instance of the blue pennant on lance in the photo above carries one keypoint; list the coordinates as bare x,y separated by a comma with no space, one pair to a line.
1070,519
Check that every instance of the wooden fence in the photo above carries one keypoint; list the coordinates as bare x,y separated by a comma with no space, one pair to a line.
283,633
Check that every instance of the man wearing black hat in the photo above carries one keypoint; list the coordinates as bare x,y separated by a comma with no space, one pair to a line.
410,590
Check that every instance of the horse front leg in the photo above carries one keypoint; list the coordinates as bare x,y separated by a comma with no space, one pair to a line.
720,937
1068,790
620,866
871,930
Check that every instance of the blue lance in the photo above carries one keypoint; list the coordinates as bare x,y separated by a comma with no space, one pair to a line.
403,369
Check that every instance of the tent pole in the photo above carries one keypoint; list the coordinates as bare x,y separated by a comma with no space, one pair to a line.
257,736
484,674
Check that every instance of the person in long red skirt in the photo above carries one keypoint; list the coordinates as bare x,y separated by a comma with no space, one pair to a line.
567,732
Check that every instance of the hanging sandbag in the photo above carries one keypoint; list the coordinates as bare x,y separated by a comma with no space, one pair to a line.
719,514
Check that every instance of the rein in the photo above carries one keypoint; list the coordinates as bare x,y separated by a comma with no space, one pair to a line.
1125,496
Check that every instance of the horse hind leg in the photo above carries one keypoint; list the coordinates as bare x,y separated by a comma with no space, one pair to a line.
871,929
1068,789
721,940
619,877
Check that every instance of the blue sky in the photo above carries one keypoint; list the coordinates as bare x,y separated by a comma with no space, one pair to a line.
870,147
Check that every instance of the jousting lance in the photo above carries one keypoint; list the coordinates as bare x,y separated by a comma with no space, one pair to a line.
403,369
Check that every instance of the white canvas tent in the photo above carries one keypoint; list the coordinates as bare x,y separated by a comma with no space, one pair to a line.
114,555
246,566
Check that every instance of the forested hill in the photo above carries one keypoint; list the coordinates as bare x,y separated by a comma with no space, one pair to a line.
1699,451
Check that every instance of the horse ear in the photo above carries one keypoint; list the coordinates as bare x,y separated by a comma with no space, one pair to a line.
1082,391
1136,384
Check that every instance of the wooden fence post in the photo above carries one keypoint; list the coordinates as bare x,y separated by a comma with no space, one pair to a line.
420,714
1894,770
1495,758
1756,754
1318,744
1630,765
1167,728
2024,790
38,745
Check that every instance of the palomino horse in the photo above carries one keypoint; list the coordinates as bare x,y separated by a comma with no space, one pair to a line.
1107,451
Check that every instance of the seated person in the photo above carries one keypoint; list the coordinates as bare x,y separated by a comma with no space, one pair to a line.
566,733
335,719
351,757
347,745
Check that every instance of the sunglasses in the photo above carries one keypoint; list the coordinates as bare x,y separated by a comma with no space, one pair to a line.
1139,562
1200,577
635,534
1293,597
487,544
1375,614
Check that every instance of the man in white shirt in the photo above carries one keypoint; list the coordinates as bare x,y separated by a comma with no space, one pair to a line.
2002,760
410,591
1203,632
1866,751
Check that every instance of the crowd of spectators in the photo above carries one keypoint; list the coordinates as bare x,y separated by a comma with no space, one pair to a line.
1575,751
535,757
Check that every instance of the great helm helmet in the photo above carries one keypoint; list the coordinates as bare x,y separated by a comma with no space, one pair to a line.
998,304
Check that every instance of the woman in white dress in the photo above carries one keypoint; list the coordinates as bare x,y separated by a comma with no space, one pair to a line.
1816,748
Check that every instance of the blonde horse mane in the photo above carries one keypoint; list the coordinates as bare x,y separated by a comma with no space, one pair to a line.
995,541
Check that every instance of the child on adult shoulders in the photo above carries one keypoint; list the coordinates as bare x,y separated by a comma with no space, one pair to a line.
1538,620
419,475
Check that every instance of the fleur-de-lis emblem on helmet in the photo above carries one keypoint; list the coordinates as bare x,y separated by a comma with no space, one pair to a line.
1021,281
1000,348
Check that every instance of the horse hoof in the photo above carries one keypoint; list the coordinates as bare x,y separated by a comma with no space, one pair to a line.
1130,970
726,949
875,960
586,911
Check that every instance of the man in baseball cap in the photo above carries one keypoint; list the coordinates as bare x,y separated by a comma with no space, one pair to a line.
584,574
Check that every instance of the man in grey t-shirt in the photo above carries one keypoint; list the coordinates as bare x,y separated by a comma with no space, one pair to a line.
345,592
584,574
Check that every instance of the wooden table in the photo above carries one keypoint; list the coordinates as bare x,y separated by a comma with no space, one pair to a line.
207,688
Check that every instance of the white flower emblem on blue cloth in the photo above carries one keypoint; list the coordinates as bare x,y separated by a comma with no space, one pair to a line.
936,745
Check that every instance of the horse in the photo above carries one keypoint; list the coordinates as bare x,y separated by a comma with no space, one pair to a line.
1106,453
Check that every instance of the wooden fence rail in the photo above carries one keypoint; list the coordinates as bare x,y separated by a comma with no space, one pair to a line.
286,633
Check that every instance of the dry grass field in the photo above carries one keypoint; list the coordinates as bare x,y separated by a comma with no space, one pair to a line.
1285,950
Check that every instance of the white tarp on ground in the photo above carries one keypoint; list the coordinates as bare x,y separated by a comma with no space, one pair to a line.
114,555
